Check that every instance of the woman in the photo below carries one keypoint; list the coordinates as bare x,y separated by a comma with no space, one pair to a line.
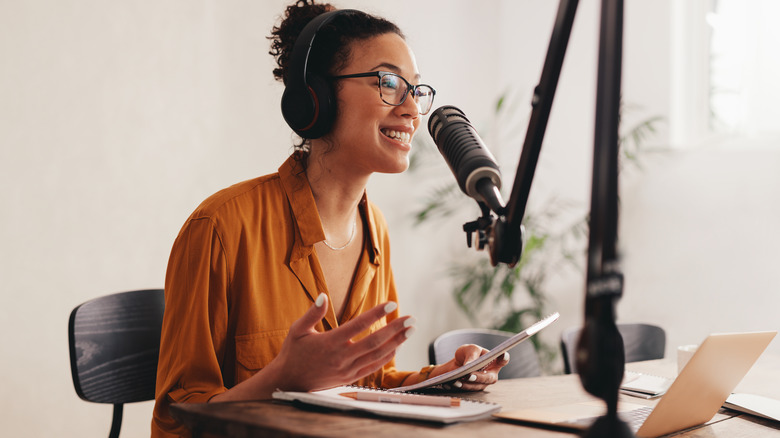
284,281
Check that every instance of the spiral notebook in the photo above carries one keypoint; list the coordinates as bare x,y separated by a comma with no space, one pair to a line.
468,410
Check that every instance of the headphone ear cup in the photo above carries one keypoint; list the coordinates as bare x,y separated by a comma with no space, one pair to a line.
309,111
297,107
325,106
308,101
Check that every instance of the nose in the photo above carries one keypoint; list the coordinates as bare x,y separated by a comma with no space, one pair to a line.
409,106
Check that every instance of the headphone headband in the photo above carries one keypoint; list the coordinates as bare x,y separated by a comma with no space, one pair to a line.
308,103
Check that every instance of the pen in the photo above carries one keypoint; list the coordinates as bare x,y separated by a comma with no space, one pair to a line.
409,399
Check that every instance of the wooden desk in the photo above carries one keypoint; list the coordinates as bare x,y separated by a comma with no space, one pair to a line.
269,418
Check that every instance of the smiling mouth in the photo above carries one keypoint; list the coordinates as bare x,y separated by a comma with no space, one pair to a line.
403,137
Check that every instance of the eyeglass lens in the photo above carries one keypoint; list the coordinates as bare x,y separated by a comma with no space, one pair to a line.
394,89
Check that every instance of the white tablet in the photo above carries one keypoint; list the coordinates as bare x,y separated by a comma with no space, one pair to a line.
483,360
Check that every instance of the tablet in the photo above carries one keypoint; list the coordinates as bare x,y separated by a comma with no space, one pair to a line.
484,360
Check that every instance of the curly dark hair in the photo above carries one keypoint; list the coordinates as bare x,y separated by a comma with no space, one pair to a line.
331,49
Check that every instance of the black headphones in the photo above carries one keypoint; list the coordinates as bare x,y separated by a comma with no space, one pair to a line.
308,101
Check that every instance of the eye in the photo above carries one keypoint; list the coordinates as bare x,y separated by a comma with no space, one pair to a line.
391,83
423,91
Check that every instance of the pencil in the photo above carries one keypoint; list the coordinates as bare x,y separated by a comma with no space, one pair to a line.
410,399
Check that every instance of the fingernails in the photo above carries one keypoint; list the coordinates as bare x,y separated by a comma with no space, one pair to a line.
320,300
389,307
472,378
457,384
409,322
505,357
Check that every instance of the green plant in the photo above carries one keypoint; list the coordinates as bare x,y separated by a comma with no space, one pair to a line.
494,294
512,298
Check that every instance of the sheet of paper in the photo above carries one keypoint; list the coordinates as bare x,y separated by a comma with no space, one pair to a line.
644,384
755,405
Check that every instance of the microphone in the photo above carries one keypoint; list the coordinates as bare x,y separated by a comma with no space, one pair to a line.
469,159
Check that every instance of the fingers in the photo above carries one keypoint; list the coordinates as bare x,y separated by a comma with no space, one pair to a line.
400,328
488,375
474,354
479,380
332,357
347,331
468,353
378,348
312,316
387,339
501,361
363,321
476,381
372,366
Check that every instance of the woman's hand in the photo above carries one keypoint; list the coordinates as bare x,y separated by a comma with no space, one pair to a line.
312,360
478,380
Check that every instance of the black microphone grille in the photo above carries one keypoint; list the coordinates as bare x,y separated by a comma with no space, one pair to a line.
441,116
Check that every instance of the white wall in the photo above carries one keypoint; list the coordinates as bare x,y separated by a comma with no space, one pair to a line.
117,118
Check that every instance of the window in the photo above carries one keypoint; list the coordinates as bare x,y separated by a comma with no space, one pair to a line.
745,68
726,71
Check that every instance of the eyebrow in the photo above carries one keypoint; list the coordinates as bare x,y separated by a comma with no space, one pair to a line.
394,68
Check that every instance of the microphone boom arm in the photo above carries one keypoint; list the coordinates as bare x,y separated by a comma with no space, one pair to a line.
544,94
600,351
504,234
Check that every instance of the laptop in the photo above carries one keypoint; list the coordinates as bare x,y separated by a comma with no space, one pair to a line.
695,396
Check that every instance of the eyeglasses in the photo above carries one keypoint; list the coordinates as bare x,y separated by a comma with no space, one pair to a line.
393,89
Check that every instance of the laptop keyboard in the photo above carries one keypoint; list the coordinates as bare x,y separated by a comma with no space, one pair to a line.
634,418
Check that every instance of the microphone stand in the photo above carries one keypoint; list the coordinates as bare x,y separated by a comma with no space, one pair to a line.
600,351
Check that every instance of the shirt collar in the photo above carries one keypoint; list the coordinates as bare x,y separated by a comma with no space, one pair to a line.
304,209
372,232
301,199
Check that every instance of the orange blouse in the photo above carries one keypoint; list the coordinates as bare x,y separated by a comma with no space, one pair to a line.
242,270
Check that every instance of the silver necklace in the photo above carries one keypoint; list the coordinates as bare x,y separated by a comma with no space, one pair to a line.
351,237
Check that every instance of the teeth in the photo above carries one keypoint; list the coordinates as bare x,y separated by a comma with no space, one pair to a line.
404,137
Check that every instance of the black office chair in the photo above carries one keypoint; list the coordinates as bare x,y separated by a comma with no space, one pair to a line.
114,344
641,342
523,360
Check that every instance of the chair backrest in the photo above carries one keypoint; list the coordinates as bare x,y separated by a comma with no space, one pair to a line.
641,342
114,344
523,359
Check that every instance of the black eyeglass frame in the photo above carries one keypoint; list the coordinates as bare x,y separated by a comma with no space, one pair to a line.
409,87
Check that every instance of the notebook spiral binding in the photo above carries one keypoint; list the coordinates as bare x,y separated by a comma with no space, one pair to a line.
390,390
